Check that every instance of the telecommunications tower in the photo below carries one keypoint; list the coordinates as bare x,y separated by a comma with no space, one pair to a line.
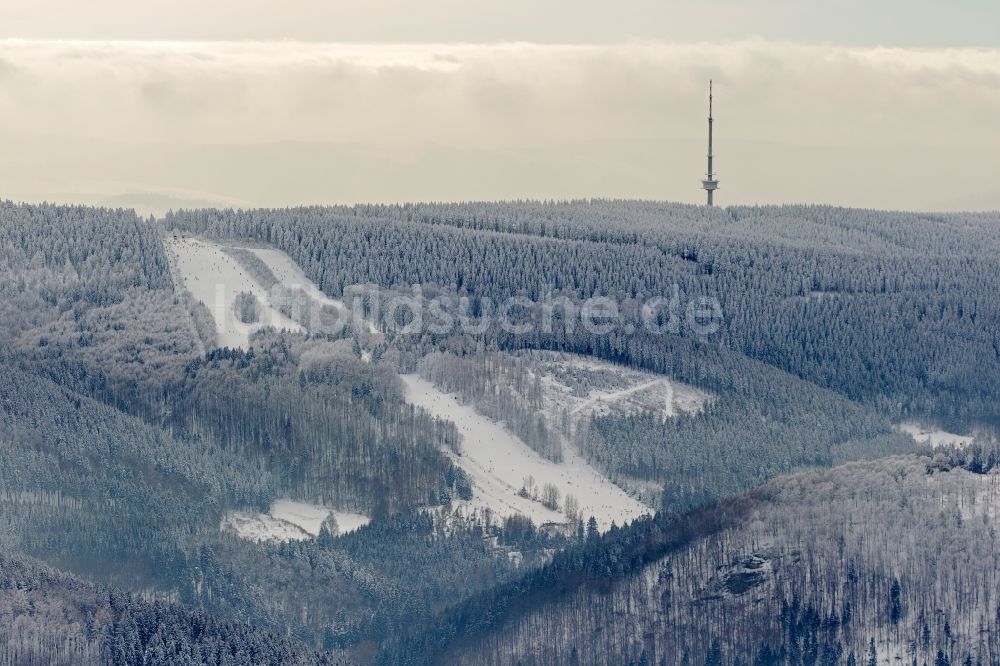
710,184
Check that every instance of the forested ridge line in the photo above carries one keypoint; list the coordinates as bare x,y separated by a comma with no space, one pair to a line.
143,480
596,561
810,226
915,332
895,558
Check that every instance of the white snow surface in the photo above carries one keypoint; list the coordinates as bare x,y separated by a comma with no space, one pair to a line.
934,436
289,520
498,462
290,275
215,278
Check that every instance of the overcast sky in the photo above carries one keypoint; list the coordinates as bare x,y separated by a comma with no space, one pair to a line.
928,23
889,104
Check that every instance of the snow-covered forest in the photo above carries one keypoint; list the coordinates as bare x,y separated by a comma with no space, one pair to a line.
854,300
214,432
899,557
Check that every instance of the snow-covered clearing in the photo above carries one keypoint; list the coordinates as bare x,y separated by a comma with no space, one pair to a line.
215,278
290,275
289,520
498,463
310,517
582,387
933,436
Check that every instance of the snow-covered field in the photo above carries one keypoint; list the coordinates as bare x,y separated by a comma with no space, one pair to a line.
498,463
215,278
289,520
934,436
583,387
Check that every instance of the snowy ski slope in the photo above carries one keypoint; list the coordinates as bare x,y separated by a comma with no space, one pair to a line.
498,462
215,278
290,275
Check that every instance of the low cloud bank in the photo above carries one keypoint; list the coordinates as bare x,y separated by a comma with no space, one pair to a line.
283,123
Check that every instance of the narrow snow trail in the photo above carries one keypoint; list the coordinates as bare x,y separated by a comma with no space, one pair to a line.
215,278
668,401
291,275
498,462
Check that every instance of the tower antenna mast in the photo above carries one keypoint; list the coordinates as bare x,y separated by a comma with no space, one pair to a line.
710,184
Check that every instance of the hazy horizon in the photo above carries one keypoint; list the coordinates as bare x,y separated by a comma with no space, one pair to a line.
250,104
